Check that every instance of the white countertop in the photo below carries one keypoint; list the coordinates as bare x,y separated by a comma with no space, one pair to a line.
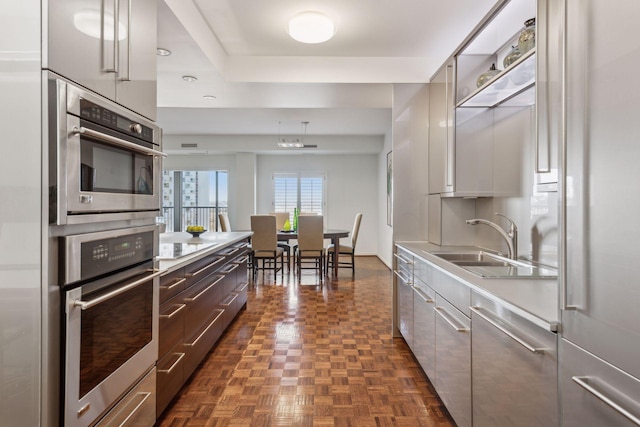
203,245
534,299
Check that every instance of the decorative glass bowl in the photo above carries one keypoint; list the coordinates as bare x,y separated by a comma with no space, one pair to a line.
485,77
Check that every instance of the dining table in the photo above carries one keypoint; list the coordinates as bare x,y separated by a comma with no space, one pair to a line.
332,234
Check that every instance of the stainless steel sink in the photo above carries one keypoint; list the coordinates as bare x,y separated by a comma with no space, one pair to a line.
485,264
473,258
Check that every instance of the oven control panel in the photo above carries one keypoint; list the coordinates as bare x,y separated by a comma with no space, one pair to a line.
105,117
110,254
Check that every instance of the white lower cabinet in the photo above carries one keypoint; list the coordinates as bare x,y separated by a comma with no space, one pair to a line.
594,392
424,327
453,361
514,369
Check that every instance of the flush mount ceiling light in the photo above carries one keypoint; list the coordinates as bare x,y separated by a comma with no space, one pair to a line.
163,52
189,79
311,27
209,97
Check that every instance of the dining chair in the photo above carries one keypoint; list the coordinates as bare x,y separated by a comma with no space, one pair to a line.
310,243
281,219
225,225
264,243
347,250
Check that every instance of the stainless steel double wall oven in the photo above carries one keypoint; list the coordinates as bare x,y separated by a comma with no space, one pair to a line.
105,167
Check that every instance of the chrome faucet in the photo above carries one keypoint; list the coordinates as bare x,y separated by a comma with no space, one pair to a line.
510,236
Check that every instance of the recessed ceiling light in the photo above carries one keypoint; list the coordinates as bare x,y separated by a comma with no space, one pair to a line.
163,52
311,27
209,97
189,79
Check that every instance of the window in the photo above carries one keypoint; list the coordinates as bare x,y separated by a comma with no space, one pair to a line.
193,198
302,191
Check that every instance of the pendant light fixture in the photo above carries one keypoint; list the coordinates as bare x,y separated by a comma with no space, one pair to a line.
293,142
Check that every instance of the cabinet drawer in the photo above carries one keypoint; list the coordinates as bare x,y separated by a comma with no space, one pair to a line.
201,301
241,290
136,408
172,284
200,269
453,291
171,325
229,281
230,307
424,336
242,262
422,271
197,347
404,263
170,378
453,361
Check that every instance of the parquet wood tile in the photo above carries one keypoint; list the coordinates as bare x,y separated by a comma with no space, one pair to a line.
311,354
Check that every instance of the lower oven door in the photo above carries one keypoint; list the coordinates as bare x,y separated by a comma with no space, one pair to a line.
111,343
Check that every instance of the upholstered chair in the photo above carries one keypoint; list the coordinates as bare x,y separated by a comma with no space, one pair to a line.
281,218
310,243
224,222
264,243
345,250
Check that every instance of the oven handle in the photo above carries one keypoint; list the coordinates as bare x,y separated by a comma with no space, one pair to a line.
116,141
84,305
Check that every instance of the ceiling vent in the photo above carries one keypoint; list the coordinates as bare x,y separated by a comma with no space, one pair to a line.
189,145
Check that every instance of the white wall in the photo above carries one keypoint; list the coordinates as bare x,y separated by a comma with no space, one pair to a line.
356,183
352,187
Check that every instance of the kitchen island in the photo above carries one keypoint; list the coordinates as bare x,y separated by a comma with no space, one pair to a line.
202,289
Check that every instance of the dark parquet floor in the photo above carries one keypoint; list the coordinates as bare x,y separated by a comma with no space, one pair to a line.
304,354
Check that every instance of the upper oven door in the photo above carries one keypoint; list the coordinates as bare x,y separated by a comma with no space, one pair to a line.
108,173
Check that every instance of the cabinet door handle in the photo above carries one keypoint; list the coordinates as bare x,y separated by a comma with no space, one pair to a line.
421,294
206,268
229,270
116,141
128,67
240,259
584,383
440,311
144,396
204,291
85,305
172,367
174,284
110,63
230,300
406,281
242,287
213,322
403,259
174,312
510,334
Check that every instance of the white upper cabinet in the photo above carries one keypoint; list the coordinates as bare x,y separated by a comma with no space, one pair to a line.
492,127
108,47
